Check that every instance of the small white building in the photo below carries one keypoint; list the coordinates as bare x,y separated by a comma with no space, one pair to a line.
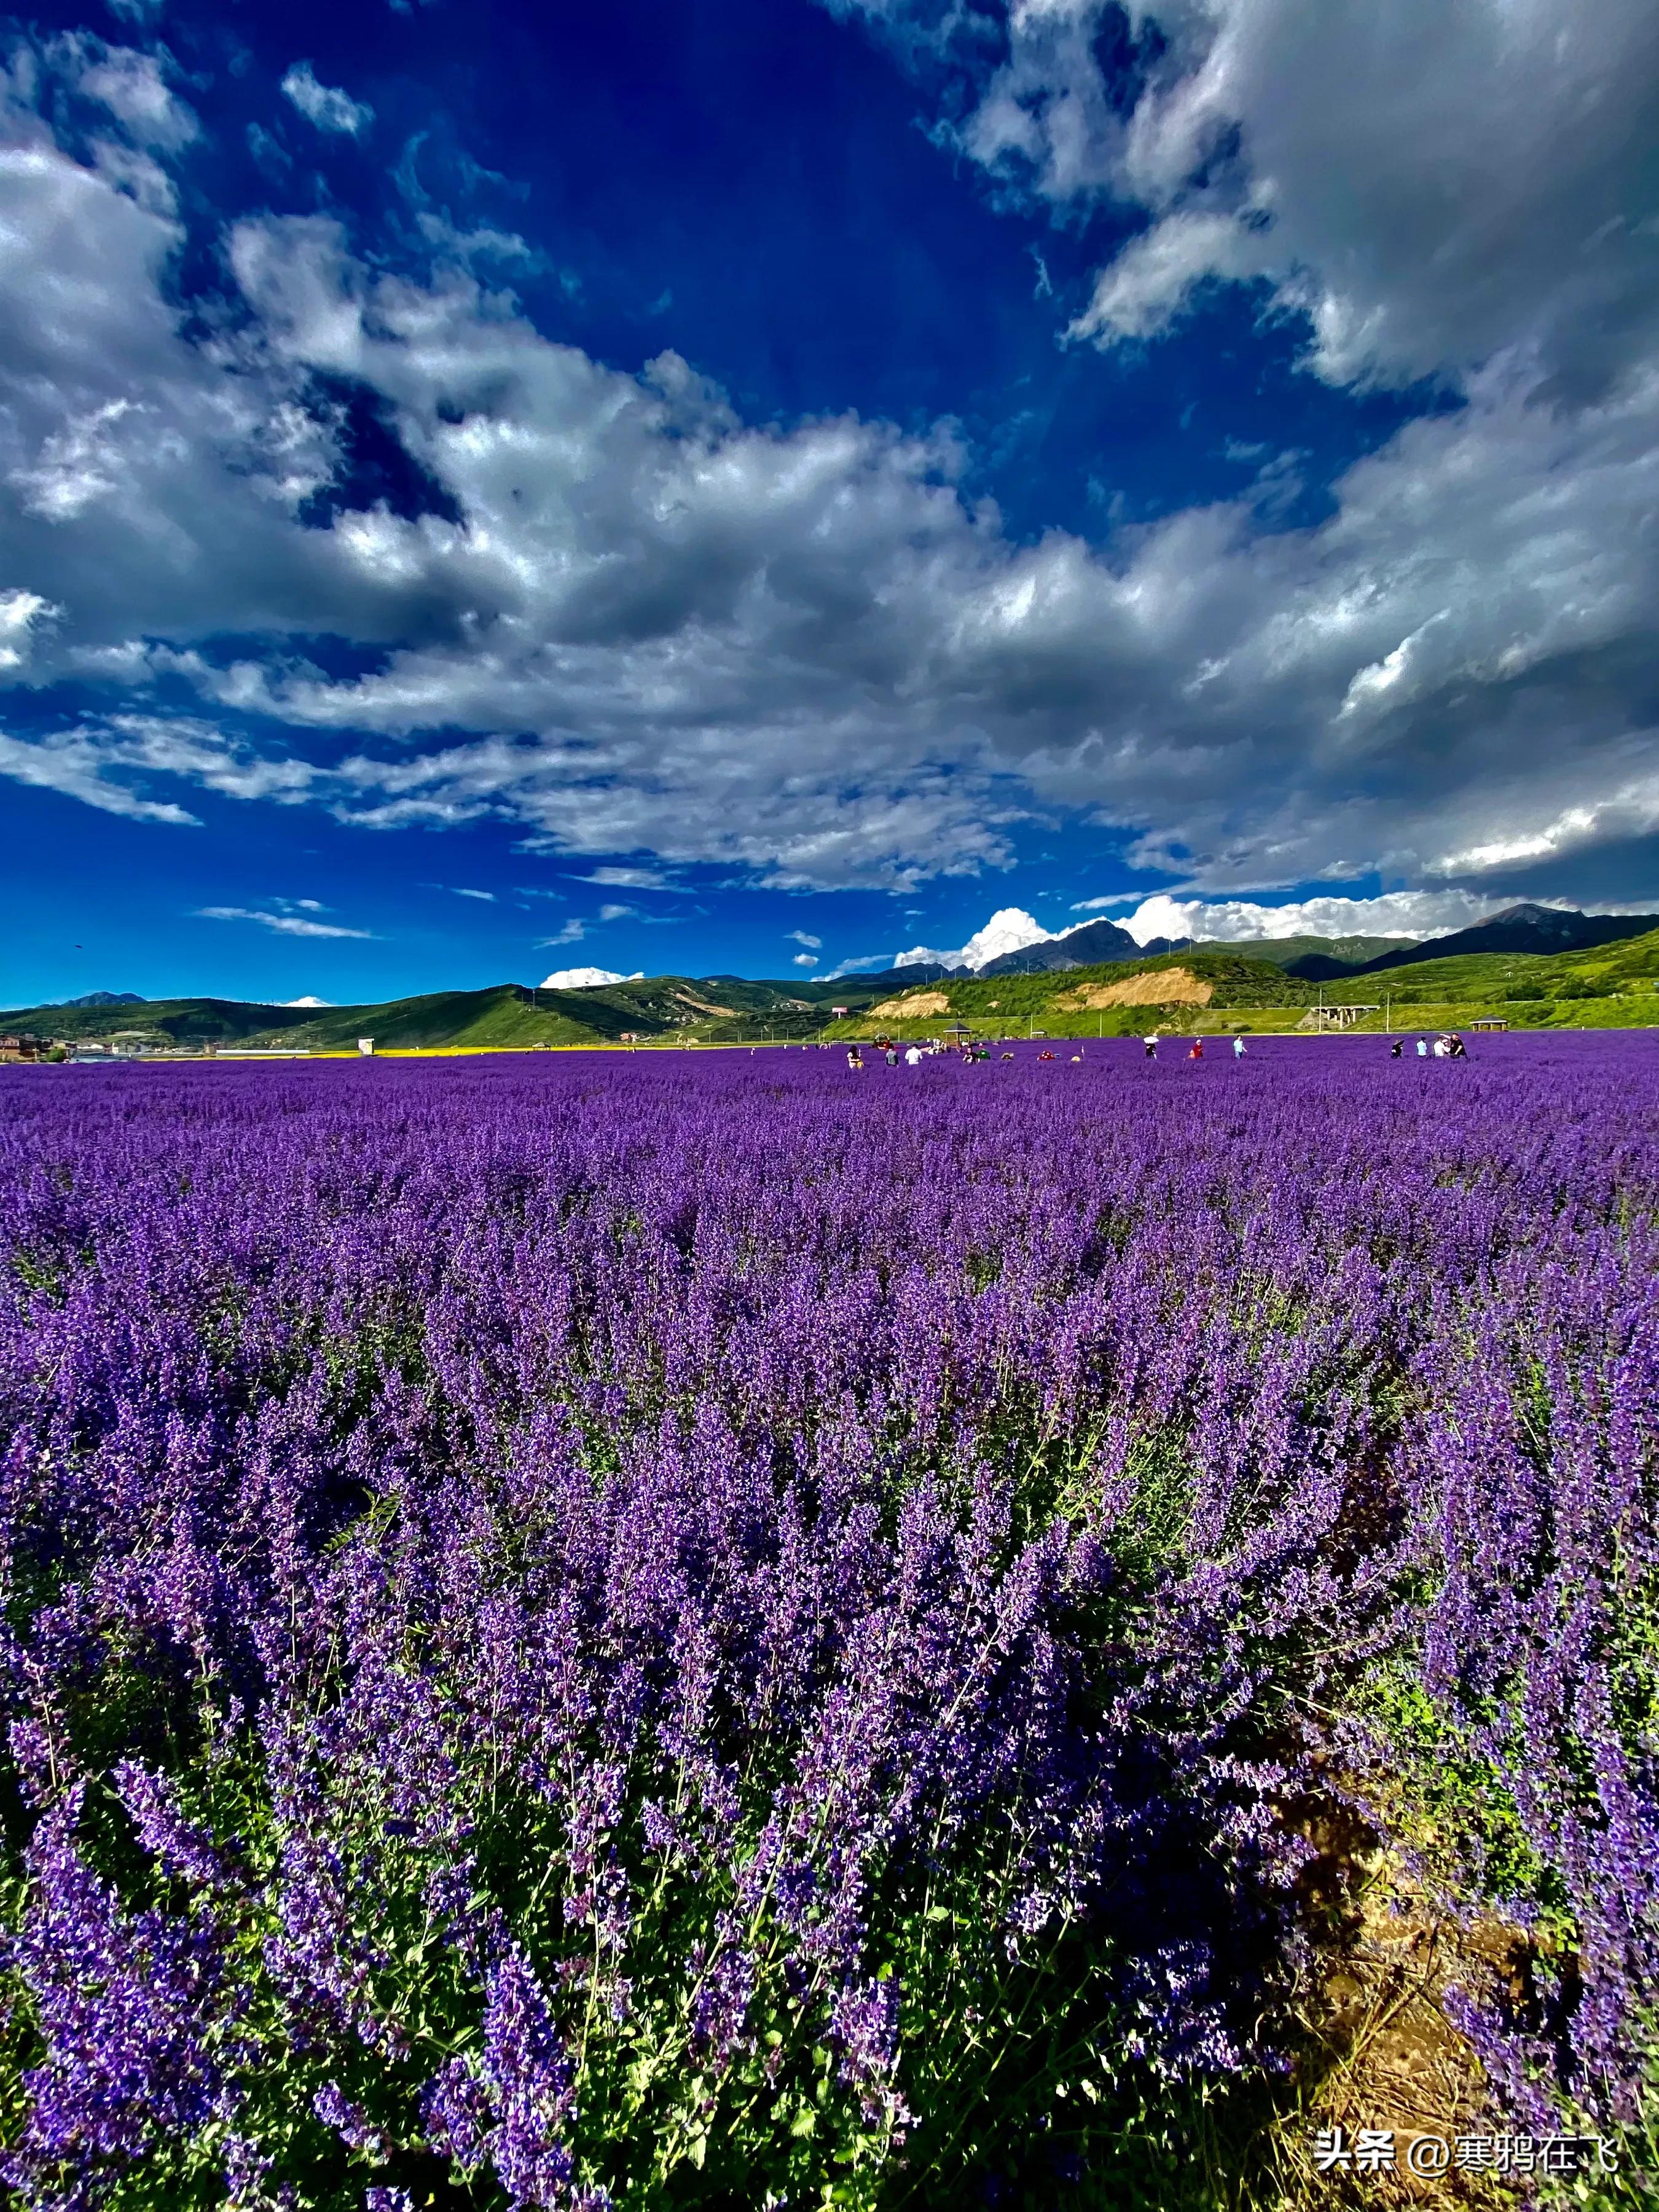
365,1045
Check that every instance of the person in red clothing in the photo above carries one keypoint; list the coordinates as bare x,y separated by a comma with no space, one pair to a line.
1197,1052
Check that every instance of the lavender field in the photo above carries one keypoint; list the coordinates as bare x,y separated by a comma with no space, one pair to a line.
658,1631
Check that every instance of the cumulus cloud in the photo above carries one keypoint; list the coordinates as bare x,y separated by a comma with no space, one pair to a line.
1413,914
805,960
325,105
1009,929
614,615
305,1002
1430,186
1392,914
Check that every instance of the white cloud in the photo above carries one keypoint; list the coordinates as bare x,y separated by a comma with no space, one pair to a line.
70,763
130,85
804,937
329,109
586,979
626,879
1392,914
76,466
572,933
305,1002
806,960
613,913
862,966
1157,275
1009,929
461,891
284,923
18,612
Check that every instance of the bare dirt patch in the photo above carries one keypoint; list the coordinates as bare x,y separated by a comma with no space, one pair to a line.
1168,987
1380,2052
913,1004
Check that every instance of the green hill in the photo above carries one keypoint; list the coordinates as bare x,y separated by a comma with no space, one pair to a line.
1312,956
1111,998
1624,973
713,1009
1208,988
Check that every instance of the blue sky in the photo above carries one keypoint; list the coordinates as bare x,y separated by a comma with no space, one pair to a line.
760,487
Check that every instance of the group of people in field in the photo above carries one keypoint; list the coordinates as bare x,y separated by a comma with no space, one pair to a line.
1150,1041
888,1050
1449,1045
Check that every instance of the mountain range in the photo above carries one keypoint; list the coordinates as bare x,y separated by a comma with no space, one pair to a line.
1524,955
1521,928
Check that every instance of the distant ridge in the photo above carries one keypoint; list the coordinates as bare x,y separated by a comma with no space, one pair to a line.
1090,945
105,999
1521,928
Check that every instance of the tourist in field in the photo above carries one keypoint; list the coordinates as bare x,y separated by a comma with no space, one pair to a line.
913,1057
1422,1048
1239,1047
855,1058
1197,1052
1151,1043
1396,1048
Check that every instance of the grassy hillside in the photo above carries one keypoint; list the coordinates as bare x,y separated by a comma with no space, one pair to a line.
1610,986
1340,952
504,1016
1630,967
182,1021
1113,999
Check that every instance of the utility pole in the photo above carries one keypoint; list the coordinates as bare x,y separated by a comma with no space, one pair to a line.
1388,1012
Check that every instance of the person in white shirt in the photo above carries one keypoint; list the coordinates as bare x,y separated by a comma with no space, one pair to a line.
913,1057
